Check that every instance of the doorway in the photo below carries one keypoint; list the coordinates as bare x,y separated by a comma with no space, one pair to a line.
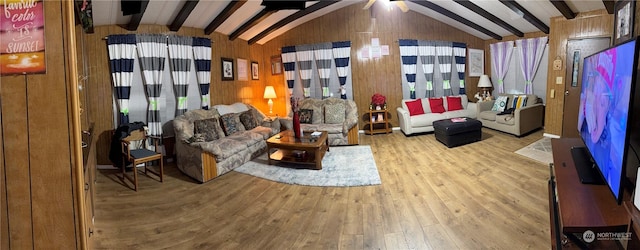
577,50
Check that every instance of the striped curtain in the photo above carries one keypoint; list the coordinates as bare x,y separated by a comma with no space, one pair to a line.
304,53
180,62
409,57
122,51
341,55
445,52
460,53
289,63
202,61
531,50
324,55
152,53
427,52
500,57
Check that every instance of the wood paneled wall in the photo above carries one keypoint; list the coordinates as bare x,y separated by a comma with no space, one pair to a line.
589,24
37,158
369,76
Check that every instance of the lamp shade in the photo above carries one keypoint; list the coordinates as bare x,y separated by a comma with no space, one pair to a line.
269,92
484,82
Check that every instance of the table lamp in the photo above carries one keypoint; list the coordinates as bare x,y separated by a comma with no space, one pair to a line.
270,93
484,84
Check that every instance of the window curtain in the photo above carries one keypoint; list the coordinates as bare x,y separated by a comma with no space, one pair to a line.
341,55
531,51
460,53
427,51
202,61
152,53
180,62
304,54
323,54
289,63
500,57
409,57
122,51
445,52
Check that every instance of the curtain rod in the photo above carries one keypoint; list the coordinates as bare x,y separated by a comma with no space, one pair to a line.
107,37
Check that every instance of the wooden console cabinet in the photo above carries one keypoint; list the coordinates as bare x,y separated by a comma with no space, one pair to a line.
576,207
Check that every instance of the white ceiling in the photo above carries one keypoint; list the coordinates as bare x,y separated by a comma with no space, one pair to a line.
163,12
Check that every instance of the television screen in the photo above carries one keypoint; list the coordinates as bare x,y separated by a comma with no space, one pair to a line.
605,103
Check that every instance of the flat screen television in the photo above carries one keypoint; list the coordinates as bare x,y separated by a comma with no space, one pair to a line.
605,115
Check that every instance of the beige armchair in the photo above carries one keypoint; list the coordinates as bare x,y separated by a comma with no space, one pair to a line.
523,120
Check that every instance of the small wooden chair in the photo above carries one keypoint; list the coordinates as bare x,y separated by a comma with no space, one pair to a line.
140,154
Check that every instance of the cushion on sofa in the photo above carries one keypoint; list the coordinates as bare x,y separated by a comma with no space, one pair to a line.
415,107
436,105
334,113
231,123
306,116
500,104
208,129
248,120
454,103
316,106
519,101
489,115
505,119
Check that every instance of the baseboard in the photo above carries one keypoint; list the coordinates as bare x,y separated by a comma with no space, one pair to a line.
393,128
550,135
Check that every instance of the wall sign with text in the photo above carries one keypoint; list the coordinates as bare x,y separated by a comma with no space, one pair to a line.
22,49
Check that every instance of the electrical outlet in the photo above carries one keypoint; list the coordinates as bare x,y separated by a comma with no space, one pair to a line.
558,79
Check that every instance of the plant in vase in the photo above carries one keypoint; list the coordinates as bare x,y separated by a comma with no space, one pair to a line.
378,101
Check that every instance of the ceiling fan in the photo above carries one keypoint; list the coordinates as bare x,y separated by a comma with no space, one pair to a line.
401,5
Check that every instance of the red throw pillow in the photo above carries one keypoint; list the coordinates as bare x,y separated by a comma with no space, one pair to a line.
415,107
454,103
436,105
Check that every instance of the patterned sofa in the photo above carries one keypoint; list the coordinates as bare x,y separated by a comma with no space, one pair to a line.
339,117
210,143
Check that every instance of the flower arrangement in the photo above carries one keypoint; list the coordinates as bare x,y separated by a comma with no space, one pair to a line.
295,104
378,100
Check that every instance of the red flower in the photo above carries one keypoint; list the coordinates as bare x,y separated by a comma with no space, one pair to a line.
378,99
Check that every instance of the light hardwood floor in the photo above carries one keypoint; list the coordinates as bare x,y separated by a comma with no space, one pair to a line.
476,196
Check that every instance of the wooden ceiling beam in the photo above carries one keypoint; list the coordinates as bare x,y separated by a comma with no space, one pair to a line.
231,8
456,17
521,11
263,14
609,5
136,18
480,11
182,16
563,8
291,18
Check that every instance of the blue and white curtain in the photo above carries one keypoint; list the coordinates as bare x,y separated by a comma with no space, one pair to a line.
289,63
304,54
152,53
460,53
202,61
500,57
341,55
531,50
122,52
180,62
427,52
409,57
324,55
445,52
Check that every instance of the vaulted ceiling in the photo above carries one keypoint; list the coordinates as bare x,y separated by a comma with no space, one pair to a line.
250,21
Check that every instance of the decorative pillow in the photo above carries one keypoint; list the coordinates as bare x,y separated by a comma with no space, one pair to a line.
231,123
334,113
196,138
501,103
306,115
454,103
519,101
415,107
248,120
436,105
207,129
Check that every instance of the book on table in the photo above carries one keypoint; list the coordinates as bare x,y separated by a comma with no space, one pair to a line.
459,119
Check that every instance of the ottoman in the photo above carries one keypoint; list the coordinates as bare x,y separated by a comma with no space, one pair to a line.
457,131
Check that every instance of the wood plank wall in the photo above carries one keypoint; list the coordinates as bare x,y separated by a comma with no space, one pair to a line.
37,158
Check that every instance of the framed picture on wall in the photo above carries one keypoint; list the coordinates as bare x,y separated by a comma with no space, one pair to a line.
624,19
254,71
226,69
476,62
276,65
242,69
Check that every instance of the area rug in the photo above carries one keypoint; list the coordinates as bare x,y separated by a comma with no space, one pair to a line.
344,166
539,151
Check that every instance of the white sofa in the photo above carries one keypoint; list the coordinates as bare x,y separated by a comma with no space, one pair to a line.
424,122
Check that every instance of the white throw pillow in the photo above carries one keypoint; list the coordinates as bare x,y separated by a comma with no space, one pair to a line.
500,104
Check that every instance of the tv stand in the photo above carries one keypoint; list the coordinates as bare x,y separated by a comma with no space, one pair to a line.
576,207
587,169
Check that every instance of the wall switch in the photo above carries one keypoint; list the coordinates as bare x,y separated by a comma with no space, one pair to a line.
558,79
552,94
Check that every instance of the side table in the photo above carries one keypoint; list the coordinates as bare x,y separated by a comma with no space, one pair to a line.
377,125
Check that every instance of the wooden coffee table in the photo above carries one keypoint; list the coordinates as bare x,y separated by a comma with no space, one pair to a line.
305,150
